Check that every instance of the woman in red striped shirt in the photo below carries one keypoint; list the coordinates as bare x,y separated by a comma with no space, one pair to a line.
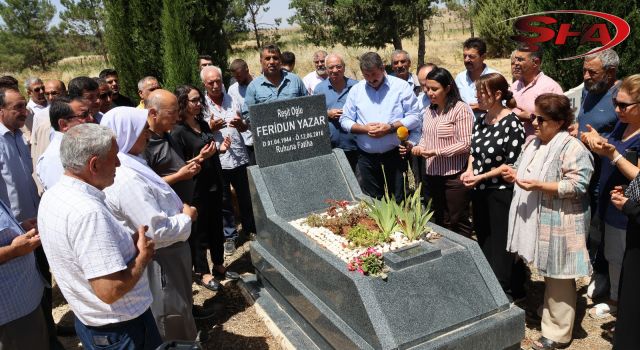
445,142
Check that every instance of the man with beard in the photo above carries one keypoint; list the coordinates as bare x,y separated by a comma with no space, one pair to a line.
401,66
314,78
474,51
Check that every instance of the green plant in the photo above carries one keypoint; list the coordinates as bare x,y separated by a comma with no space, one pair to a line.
315,220
370,262
362,236
413,217
383,211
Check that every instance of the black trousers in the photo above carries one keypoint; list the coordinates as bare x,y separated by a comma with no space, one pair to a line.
449,201
238,178
47,299
206,233
490,220
374,167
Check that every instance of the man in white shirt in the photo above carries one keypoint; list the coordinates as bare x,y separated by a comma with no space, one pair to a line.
240,71
98,264
474,51
64,114
314,78
401,66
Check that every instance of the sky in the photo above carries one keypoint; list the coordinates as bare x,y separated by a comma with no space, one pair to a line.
277,8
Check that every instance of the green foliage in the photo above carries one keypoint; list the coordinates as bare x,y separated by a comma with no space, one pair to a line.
370,23
369,263
361,236
179,51
383,212
569,72
316,220
414,219
497,33
85,18
25,35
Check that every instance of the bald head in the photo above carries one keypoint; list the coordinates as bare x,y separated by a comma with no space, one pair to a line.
163,110
54,89
335,67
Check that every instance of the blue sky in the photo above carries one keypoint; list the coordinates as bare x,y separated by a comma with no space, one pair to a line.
277,8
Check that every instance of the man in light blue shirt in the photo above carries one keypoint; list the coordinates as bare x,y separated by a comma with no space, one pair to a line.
22,323
474,52
274,84
376,107
336,89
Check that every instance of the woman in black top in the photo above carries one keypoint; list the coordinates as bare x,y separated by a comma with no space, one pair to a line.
193,135
498,136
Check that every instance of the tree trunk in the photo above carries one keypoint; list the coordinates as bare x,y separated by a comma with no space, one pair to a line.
471,27
421,41
254,23
397,42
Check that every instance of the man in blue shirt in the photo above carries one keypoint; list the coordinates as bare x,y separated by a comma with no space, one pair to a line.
22,322
401,66
274,84
336,89
474,51
376,107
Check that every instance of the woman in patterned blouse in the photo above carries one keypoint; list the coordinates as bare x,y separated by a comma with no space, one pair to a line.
446,136
549,215
498,136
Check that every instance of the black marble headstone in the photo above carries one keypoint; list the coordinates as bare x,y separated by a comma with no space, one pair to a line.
290,130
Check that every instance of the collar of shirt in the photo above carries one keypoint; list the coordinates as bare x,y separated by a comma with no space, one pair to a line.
265,81
531,84
485,71
34,106
82,187
348,83
385,82
4,130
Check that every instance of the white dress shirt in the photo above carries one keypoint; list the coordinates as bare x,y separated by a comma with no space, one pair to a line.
49,166
83,240
135,201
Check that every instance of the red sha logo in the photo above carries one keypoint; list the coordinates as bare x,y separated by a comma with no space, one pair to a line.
597,32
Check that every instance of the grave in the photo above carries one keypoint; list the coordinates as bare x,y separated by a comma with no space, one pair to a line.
440,295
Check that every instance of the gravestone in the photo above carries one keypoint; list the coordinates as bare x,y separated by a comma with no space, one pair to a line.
440,295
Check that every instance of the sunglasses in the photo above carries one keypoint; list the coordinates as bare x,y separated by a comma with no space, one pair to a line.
38,89
540,119
622,105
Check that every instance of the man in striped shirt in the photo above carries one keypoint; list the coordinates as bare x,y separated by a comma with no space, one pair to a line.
375,108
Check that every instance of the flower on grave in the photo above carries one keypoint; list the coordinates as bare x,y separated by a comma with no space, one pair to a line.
370,262
351,267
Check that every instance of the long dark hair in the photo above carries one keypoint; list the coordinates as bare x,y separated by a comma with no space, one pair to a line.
182,93
444,78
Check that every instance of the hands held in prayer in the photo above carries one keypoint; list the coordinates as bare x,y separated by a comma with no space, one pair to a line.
617,197
597,143
378,130
422,152
144,244
190,211
508,173
334,114
216,124
206,152
470,180
189,170
26,243
239,123
225,144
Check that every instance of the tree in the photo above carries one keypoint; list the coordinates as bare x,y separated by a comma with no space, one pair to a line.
25,34
251,12
464,10
179,49
569,72
497,34
368,23
85,18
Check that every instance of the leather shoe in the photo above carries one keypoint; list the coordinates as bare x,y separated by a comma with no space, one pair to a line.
227,275
212,285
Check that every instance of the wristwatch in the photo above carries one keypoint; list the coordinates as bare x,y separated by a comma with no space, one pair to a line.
393,128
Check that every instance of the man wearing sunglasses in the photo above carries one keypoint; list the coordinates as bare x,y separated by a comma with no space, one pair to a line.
35,90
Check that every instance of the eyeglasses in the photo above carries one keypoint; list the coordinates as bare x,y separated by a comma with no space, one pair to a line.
105,95
337,66
540,119
195,100
86,115
38,89
623,105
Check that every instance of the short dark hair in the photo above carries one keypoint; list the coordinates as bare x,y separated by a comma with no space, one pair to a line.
444,78
537,53
239,63
78,85
556,107
8,81
476,43
371,60
100,81
107,72
205,57
59,109
270,48
288,58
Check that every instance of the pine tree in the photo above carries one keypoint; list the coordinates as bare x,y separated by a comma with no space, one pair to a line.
497,34
180,53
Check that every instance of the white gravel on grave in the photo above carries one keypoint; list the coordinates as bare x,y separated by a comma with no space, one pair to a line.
339,245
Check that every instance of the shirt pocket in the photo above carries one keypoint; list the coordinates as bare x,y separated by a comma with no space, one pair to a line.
445,130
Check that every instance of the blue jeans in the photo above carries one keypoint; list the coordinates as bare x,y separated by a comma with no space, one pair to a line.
138,333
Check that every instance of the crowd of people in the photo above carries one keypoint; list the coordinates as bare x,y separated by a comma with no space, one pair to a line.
123,202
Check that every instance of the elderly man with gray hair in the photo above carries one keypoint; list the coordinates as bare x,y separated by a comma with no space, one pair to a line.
146,86
401,66
98,264
314,78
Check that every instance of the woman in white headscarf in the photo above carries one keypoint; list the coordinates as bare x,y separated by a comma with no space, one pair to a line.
139,196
